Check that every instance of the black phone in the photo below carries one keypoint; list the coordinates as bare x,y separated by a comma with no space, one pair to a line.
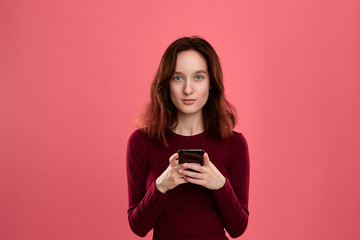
191,156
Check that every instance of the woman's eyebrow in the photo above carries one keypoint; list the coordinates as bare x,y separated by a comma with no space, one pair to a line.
201,71
198,71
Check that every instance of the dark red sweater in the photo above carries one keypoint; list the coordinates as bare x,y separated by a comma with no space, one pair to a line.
188,211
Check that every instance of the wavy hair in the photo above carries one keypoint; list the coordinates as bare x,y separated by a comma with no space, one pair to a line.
159,116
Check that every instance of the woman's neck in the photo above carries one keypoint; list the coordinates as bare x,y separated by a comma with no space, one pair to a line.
189,125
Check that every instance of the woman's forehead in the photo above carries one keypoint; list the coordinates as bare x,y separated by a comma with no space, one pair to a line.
190,61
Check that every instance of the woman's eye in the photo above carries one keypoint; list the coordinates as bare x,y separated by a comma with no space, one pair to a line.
177,78
198,77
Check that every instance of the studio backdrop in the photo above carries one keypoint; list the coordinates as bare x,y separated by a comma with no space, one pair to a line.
74,75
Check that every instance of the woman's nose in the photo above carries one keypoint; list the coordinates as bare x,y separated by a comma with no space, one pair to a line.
187,88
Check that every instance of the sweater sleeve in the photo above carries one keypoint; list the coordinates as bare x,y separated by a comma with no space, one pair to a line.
144,205
232,198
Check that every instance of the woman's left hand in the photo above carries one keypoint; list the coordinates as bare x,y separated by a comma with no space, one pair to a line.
207,176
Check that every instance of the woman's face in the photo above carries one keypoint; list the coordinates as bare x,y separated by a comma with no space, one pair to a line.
189,87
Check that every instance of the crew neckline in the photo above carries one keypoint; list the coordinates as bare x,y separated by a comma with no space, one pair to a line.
184,136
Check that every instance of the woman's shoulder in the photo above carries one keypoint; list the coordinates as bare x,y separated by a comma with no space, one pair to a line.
237,136
237,140
237,149
138,136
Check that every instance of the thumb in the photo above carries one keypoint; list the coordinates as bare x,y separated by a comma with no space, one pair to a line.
206,160
173,158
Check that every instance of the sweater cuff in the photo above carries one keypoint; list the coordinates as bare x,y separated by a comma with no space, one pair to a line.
157,194
221,193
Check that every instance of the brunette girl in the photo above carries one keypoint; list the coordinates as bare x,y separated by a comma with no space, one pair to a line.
188,110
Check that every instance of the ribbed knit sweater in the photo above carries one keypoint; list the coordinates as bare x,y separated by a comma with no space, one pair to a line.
188,211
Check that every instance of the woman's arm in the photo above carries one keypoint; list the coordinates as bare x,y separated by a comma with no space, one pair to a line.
232,198
231,193
144,206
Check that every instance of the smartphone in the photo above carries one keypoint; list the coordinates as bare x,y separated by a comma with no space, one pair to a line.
191,156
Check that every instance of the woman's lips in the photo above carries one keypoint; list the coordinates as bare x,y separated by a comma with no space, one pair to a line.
188,101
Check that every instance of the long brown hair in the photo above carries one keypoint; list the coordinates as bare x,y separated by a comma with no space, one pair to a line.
160,115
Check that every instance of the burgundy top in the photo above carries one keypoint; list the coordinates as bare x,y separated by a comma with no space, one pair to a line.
188,211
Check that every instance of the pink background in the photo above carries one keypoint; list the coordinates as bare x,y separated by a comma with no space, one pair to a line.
75,74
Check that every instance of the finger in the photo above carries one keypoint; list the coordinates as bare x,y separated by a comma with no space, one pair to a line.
173,159
181,181
206,160
193,166
191,174
195,181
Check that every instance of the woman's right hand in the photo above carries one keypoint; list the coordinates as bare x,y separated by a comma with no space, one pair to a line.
171,177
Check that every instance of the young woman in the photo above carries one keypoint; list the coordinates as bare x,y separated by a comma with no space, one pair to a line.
188,110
